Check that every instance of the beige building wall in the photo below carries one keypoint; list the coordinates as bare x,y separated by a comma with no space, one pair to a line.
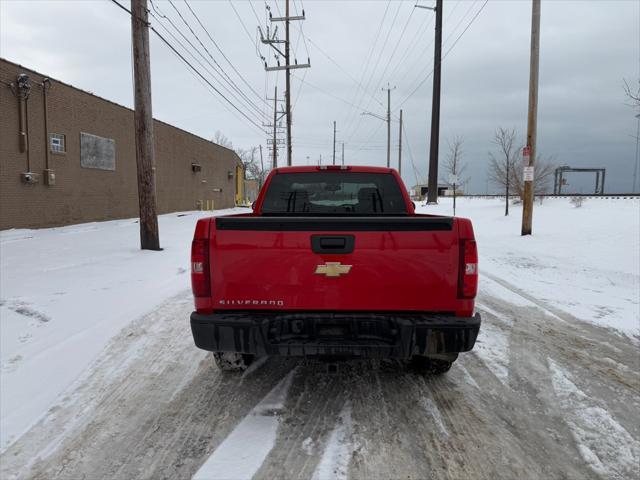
87,194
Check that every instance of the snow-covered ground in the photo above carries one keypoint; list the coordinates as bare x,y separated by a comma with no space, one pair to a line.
68,293
64,292
584,261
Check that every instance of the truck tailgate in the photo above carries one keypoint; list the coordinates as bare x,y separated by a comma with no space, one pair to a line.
334,263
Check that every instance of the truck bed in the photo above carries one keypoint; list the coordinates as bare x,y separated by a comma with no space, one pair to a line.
394,263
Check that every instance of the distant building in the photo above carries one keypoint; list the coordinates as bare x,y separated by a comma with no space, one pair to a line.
420,191
81,167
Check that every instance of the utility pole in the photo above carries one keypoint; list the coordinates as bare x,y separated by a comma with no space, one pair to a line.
532,121
635,166
287,93
388,127
400,147
272,40
275,127
432,193
343,154
261,178
143,119
334,142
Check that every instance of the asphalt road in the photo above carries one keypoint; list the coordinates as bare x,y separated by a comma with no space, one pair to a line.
543,395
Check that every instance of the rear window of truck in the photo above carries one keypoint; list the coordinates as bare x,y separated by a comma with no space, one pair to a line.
334,193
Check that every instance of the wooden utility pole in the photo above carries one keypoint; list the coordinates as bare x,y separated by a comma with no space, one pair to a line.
334,142
432,194
388,127
287,57
343,153
261,178
532,121
400,146
275,127
145,161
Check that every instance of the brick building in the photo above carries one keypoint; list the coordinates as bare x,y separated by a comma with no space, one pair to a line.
82,167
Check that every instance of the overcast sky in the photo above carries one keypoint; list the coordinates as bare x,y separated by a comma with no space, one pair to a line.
356,48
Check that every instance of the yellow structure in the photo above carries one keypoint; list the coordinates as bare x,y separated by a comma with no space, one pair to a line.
239,185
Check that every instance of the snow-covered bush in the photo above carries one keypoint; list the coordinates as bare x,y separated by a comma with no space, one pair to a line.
577,201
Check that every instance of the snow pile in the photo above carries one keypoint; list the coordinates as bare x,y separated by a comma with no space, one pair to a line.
65,292
584,261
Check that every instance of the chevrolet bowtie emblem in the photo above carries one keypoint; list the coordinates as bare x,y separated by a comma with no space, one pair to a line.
333,269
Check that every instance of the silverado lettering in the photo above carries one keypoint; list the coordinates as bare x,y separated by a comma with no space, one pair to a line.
360,272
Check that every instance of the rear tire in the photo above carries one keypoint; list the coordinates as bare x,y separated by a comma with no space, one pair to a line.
231,361
430,366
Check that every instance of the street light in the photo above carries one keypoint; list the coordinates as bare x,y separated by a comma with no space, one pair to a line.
387,120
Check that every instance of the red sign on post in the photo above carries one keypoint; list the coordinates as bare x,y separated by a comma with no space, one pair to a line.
526,151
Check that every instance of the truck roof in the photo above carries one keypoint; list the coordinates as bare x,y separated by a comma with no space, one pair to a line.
351,168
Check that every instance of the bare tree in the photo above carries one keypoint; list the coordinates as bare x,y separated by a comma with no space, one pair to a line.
502,164
455,168
221,139
634,96
253,167
506,167
543,171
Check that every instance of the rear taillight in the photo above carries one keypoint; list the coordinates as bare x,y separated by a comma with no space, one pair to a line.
468,278
200,283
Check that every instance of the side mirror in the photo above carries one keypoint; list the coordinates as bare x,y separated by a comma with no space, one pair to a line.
414,205
253,205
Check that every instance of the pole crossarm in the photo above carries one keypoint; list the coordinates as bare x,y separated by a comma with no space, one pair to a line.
284,19
425,7
379,117
285,67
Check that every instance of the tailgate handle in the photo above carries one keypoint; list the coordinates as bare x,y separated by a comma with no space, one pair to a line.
332,243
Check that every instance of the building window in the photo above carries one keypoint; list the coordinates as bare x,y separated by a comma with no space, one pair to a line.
56,140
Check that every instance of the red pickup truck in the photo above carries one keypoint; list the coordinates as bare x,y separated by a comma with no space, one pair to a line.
333,262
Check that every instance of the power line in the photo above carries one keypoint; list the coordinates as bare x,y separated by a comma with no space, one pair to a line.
306,82
223,75
222,53
255,14
400,73
254,41
446,53
226,76
375,68
332,60
404,29
348,117
195,70
204,67
420,76
413,164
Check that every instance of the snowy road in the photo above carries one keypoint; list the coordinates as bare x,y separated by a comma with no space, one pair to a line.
542,395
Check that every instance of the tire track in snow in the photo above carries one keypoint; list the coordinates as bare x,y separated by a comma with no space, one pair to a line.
492,347
339,449
242,453
432,409
603,443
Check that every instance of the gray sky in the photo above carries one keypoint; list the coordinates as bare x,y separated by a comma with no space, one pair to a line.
356,47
